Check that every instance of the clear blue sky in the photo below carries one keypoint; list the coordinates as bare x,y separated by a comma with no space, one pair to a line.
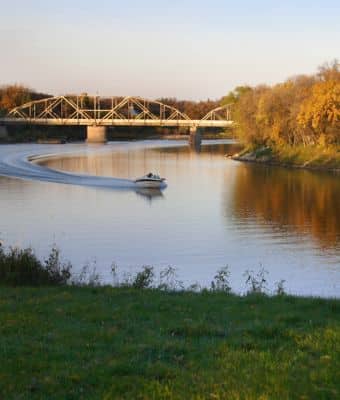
187,49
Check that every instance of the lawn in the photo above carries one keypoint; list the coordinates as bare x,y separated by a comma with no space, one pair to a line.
123,343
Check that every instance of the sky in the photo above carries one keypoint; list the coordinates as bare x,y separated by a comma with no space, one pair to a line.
188,49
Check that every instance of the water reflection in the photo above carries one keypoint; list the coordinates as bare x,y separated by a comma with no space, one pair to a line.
195,146
134,163
293,200
149,194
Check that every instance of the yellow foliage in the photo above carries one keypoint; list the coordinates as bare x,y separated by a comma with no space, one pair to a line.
323,107
303,110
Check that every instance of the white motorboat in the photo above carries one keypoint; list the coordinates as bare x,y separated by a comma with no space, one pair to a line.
152,181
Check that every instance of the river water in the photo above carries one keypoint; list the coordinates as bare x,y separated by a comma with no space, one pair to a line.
214,212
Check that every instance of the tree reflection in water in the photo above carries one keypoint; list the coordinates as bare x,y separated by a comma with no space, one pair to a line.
304,201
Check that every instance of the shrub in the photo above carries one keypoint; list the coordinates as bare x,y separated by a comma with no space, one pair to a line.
256,281
168,280
22,268
58,272
221,280
144,278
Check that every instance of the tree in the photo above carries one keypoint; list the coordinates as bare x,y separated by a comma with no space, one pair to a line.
302,110
13,96
321,111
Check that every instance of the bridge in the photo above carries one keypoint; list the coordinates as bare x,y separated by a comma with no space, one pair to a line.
97,113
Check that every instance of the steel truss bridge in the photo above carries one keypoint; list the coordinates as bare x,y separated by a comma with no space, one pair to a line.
98,112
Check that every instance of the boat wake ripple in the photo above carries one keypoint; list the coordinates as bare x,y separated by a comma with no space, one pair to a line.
18,163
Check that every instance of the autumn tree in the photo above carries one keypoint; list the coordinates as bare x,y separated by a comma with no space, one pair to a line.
12,96
303,110
15,95
320,112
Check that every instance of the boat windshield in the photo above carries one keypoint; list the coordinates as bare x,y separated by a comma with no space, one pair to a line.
152,176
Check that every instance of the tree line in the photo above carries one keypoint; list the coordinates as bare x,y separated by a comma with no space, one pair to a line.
303,110
15,95
194,109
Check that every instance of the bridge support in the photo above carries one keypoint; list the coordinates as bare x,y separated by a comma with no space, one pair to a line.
96,134
195,136
3,132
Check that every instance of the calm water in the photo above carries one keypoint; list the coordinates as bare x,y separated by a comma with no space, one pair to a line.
214,212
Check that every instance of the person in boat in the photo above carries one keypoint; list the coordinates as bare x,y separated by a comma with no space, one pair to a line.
150,175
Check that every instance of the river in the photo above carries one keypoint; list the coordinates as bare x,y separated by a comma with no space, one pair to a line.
214,212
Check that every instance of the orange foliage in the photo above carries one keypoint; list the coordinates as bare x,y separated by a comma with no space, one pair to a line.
15,95
303,110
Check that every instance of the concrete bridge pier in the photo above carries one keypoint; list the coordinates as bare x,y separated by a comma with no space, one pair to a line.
3,132
195,136
96,134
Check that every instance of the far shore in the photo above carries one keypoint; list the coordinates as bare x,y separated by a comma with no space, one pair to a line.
46,139
310,158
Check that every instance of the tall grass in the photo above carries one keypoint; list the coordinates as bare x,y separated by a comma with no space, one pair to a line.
21,267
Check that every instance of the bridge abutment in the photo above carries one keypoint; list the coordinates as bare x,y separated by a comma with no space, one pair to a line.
96,134
3,132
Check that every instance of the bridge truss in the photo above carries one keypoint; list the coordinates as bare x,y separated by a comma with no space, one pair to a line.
222,113
127,111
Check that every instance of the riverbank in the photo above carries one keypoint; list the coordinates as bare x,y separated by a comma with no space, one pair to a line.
125,343
309,157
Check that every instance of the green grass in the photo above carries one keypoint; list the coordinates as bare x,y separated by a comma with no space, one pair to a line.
123,343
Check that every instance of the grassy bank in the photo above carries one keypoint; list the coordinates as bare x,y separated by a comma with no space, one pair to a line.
312,157
124,343
67,337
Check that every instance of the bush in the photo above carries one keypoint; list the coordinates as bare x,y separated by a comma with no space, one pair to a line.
144,278
22,268
168,280
257,282
221,281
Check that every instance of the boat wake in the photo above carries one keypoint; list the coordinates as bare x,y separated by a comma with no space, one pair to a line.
19,163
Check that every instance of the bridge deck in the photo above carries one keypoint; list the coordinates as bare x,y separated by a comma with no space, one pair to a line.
117,122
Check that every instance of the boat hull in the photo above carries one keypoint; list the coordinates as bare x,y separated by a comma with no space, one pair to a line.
151,184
